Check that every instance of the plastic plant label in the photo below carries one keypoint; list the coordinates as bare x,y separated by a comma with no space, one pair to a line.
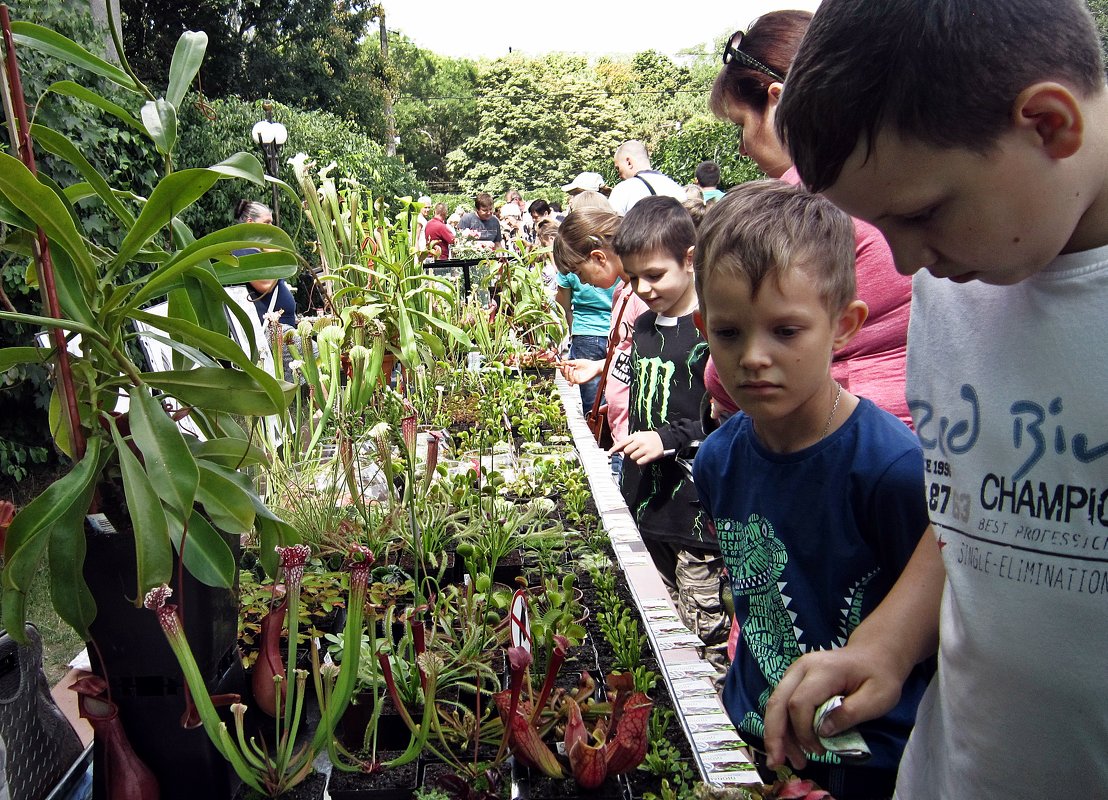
520,618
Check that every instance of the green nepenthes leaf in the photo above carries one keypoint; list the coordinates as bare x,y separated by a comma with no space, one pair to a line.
217,389
229,452
169,462
279,393
14,356
160,119
52,43
220,243
47,211
225,501
272,531
59,145
207,555
187,57
175,193
58,511
153,551
76,90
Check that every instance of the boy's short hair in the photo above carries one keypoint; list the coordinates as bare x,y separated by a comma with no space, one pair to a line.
540,207
707,173
483,200
943,72
762,229
656,224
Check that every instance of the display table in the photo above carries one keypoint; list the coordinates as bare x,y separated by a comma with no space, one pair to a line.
718,749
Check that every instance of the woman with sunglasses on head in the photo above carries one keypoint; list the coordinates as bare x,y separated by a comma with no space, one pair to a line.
746,92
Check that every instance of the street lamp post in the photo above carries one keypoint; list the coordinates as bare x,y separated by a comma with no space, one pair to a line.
270,136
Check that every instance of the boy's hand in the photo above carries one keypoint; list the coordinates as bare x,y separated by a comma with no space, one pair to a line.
641,447
871,687
869,671
581,370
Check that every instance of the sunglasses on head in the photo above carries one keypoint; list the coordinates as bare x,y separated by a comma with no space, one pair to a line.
731,52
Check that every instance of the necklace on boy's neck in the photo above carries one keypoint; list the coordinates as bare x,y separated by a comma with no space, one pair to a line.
834,408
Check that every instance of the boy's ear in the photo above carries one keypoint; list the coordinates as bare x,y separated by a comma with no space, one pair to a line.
689,256
1051,113
851,319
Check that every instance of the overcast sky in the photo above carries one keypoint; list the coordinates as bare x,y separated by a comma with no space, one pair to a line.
487,28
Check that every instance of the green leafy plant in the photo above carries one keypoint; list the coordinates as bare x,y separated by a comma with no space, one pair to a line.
165,476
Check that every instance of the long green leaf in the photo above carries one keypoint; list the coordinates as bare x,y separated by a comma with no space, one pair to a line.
220,243
207,555
76,90
229,452
49,322
188,55
30,531
153,550
47,211
224,501
59,145
173,194
159,117
14,356
52,43
279,393
218,389
272,531
169,461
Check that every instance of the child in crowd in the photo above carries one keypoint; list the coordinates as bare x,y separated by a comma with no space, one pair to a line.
546,231
584,247
975,135
655,245
588,311
816,495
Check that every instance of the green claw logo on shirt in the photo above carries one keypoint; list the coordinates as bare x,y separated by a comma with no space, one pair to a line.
653,377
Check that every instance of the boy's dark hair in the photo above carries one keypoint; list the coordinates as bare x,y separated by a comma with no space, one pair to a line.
759,230
540,207
943,72
483,200
771,40
656,224
707,173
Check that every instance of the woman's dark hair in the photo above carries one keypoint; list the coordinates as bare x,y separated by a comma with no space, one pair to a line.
772,40
942,72
250,210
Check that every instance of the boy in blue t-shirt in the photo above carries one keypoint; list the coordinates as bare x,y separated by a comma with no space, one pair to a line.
816,495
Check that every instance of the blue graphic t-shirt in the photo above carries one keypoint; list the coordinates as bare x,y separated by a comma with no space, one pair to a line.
813,541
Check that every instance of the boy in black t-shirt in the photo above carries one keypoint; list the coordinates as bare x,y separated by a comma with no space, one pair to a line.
655,243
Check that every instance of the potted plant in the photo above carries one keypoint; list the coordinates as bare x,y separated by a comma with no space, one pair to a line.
169,505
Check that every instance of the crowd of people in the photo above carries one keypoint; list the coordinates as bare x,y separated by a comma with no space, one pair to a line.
878,499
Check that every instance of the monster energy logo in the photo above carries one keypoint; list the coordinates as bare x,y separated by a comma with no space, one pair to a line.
653,381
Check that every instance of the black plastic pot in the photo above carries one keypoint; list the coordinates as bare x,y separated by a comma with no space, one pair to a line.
130,651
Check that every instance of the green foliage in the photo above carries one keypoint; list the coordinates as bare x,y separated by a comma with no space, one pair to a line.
114,150
539,122
298,52
704,139
225,128
1099,9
